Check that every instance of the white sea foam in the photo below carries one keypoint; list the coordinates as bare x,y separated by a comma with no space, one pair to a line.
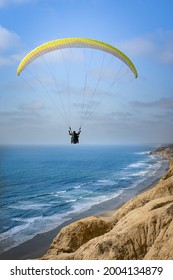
27,206
19,234
106,182
78,187
139,173
40,224
142,153
9,233
87,203
137,164
71,200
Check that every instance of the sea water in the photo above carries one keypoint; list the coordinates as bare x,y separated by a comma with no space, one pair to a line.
41,187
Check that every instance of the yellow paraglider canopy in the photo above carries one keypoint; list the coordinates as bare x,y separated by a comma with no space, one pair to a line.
75,43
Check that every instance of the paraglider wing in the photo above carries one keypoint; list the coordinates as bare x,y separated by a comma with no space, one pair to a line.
75,43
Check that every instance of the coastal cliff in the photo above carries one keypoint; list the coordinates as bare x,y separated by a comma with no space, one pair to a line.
141,229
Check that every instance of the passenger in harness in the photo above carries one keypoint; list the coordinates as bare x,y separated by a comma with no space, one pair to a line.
74,135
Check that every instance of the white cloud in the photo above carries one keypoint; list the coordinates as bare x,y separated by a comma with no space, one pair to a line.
167,56
157,45
138,46
5,61
29,113
163,103
8,39
165,46
4,3
32,106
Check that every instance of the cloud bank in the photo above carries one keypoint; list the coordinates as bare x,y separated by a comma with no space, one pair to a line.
163,103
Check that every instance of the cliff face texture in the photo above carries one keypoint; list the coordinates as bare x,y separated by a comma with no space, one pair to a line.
141,229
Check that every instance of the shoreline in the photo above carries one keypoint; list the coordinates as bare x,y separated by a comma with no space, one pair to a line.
39,245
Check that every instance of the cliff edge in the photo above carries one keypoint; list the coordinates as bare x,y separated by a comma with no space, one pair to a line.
141,229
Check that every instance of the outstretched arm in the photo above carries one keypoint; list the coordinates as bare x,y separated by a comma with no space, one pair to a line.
79,131
70,131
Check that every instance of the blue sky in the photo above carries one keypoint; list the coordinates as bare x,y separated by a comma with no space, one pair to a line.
141,112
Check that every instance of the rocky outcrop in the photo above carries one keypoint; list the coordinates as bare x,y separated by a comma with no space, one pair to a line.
164,151
141,229
78,233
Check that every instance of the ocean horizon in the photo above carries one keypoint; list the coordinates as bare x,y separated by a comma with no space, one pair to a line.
41,187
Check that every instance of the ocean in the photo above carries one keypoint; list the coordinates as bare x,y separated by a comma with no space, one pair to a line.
41,187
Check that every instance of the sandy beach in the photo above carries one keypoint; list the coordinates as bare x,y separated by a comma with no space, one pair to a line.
40,244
